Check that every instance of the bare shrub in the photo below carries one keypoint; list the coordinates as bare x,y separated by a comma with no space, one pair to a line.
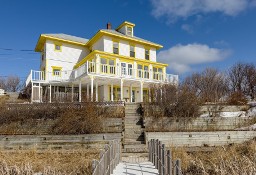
209,85
237,98
172,101
79,121
242,78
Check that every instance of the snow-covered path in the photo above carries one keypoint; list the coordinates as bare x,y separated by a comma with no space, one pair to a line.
144,168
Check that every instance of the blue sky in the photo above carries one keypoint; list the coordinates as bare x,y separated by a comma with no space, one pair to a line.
195,34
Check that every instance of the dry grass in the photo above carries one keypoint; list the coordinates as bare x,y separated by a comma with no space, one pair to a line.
237,159
49,162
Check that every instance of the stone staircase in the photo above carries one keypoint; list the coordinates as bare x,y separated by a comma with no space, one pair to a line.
134,147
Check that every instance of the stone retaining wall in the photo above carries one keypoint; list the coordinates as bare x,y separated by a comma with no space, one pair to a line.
190,139
56,141
197,124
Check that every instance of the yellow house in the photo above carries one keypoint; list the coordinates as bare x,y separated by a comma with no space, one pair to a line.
114,65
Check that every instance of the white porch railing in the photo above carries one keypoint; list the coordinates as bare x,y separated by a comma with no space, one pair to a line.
101,69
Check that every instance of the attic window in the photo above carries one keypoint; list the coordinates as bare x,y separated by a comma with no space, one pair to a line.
57,47
129,31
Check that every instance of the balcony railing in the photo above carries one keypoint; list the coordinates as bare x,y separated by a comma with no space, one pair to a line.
104,70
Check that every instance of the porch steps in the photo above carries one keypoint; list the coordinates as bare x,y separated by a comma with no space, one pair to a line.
134,140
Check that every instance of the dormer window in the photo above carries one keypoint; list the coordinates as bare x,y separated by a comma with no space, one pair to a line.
147,54
129,31
115,47
132,51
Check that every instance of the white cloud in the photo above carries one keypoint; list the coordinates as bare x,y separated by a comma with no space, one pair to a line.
187,28
174,9
181,57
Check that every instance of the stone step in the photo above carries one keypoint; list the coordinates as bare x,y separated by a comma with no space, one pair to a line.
135,149
134,131
133,121
134,136
132,114
127,154
132,126
132,142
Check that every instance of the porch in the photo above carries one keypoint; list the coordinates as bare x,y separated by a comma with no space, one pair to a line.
92,88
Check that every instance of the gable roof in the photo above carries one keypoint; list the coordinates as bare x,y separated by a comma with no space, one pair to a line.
89,42
131,37
68,37
60,37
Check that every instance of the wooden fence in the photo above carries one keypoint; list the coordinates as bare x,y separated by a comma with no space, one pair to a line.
162,159
109,158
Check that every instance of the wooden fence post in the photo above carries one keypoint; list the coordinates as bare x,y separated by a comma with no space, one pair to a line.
160,158
169,162
163,159
156,159
94,164
149,151
177,167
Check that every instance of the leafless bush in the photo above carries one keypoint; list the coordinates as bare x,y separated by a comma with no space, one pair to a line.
172,101
242,78
79,121
209,85
237,98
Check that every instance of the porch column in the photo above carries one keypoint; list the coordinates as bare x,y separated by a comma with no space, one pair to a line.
161,94
92,87
87,91
112,91
72,93
39,92
130,93
80,91
32,91
149,95
96,88
141,91
50,100
121,88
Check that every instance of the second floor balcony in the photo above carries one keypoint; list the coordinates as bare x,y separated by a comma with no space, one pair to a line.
104,70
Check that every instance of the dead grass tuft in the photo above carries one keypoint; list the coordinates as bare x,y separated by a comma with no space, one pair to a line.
49,162
229,160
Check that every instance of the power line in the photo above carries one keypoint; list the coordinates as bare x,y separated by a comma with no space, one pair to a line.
21,50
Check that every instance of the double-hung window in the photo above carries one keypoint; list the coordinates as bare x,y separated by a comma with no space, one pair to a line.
115,47
147,54
129,31
132,51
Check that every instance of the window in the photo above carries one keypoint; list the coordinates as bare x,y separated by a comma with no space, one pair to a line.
129,31
104,66
115,47
146,73
146,54
57,47
56,71
139,70
132,51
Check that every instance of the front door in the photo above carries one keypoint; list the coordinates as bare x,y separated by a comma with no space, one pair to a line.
133,96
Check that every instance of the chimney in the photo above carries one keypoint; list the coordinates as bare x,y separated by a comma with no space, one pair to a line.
108,25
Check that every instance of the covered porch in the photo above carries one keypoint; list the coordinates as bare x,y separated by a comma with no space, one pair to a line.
93,88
